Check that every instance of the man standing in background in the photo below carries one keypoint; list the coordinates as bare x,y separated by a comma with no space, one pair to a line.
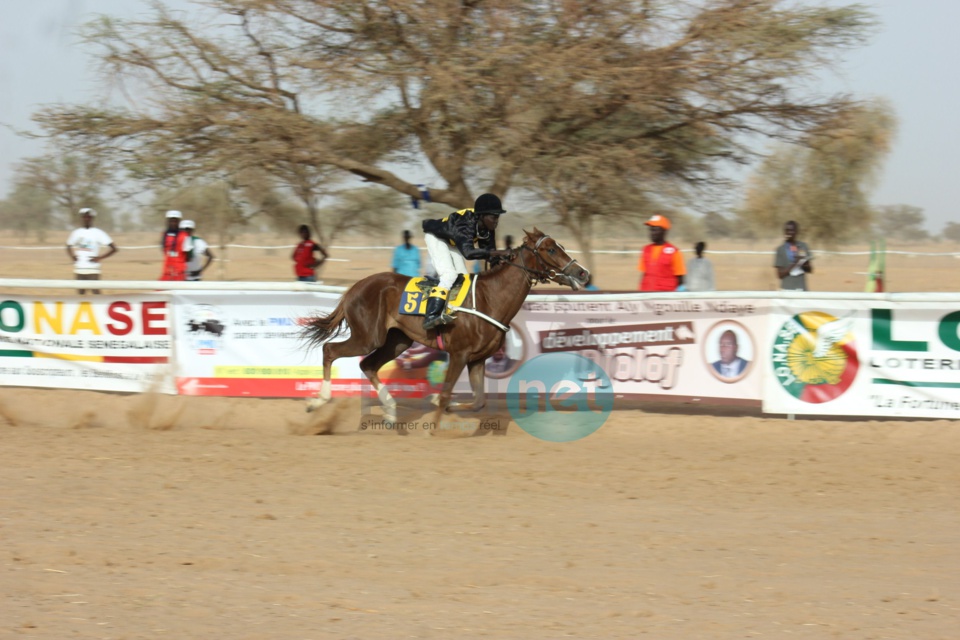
406,258
792,260
305,264
177,245
661,262
83,247
196,265
700,271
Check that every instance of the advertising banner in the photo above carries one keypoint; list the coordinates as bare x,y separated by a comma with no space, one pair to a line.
863,359
680,349
104,343
248,344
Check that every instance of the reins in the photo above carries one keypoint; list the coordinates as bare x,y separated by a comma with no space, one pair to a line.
542,273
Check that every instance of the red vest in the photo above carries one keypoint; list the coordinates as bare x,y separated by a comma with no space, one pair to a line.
658,274
174,256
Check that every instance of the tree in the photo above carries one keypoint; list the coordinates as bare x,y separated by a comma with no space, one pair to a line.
480,90
823,184
27,209
951,231
70,183
900,222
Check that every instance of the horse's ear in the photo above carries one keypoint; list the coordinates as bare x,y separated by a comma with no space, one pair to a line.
529,235
537,232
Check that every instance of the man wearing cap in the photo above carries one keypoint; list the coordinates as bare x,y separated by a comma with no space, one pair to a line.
83,247
661,262
177,245
468,233
196,264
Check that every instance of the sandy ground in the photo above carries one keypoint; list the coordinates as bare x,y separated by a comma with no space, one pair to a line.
146,517
125,516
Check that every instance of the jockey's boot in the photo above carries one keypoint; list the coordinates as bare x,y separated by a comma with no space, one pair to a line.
436,305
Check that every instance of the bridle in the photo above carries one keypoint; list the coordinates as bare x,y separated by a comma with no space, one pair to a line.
543,273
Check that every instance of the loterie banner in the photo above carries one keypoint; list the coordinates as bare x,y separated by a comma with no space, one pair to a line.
880,358
108,343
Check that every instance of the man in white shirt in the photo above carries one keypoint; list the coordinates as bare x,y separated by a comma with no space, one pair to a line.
201,257
84,246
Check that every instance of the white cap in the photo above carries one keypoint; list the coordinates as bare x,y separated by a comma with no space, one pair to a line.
88,210
174,214
187,224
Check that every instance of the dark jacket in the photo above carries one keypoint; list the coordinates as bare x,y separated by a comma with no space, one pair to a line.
462,230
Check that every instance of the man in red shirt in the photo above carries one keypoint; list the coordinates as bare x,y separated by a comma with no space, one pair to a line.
305,264
661,262
177,247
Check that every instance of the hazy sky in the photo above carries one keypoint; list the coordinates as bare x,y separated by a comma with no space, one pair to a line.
912,62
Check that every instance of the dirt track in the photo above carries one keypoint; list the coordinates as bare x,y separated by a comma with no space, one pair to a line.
207,518
164,517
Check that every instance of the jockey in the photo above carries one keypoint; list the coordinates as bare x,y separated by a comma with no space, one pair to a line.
468,233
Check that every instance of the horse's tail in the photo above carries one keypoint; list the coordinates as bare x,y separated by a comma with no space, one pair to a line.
321,328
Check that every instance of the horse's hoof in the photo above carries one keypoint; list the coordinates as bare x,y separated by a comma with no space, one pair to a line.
315,403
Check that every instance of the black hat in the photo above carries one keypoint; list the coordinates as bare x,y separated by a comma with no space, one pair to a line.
488,204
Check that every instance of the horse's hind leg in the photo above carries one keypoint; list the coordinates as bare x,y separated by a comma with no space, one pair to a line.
475,370
396,343
357,344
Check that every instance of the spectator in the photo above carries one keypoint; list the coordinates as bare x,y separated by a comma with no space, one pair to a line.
661,262
200,250
177,246
792,260
700,271
406,258
305,260
730,365
83,247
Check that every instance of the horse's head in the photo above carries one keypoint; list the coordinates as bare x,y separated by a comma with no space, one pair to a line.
552,262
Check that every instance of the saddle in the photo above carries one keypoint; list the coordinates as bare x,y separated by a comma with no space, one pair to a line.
413,300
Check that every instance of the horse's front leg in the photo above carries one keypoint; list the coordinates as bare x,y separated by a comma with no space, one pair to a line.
454,369
476,371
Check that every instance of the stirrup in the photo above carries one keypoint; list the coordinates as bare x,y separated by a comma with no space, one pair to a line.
439,321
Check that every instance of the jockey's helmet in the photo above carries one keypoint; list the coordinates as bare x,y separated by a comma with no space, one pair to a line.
488,204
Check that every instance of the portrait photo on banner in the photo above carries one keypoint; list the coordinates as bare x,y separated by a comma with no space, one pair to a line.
728,351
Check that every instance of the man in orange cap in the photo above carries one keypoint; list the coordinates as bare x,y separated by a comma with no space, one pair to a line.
661,262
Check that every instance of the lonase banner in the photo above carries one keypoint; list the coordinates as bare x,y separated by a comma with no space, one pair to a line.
108,343
864,359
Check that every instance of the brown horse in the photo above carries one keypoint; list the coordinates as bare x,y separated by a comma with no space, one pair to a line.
370,308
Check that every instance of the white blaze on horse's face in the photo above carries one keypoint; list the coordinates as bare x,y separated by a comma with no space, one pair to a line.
564,269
